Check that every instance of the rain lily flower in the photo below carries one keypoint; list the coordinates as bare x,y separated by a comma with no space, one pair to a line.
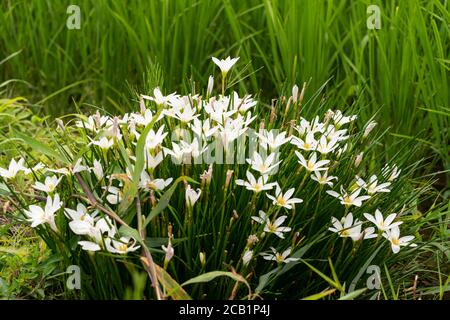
104,143
264,167
122,245
210,86
326,146
308,144
89,246
339,119
369,127
49,185
354,199
346,228
38,216
148,184
225,65
248,255
255,185
391,173
312,164
159,98
78,167
13,169
153,161
372,186
284,200
272,139
270,227
383,224
154,139
192,196
114,196
97,169
393,235
279,257
81,214
323,178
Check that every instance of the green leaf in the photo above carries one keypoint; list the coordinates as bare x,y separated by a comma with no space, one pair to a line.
320,295
352,295
41,147
164,201
206,277
171,287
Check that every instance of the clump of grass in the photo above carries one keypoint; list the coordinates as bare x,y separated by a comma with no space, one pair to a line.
257,199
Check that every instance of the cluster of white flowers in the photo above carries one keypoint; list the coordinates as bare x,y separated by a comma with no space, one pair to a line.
201,123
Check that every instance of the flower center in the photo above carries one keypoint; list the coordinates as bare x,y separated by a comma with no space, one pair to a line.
257,187
281,201
123,247
279,257
395,241
310,165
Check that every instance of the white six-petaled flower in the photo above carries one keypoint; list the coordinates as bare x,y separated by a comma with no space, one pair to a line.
284,200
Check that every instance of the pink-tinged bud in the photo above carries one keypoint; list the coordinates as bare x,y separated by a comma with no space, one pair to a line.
210,86
142,105
295,93
358,159
369,128
228,178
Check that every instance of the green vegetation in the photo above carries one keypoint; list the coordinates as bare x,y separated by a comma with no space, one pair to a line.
397,76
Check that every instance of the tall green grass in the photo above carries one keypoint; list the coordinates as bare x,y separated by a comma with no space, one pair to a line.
400,70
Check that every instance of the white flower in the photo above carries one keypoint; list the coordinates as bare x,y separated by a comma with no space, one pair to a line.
185,114
89,246
339,119
369,128
192,196
148,184
225,65
270,227
78,167
104,143
86,226
264,167
284,200
391,173
114,196
98,169
323,178
308,144
326,146
153,161
312,164
349,200
279,257
80,214
13,169
372,186
248,255
272,139
38,216
49,185
169,250
159,98
201,128
393,235
154,139
346,228
210,86
121,246
383,224
295,93
255,185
